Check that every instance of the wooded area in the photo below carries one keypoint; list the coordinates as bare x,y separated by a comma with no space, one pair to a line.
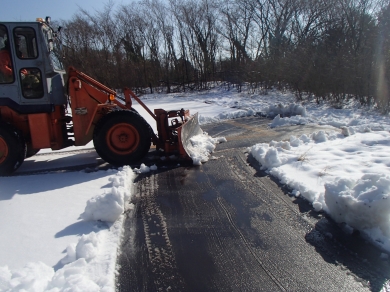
328,49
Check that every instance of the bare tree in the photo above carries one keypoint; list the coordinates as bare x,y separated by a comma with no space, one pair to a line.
382,60
332,49
199,23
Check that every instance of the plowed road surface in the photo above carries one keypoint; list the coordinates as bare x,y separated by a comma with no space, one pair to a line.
227,226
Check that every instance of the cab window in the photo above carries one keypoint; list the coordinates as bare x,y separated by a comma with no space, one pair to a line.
25,43
6,66
32,86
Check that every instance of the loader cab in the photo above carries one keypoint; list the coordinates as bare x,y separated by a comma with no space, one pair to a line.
31,73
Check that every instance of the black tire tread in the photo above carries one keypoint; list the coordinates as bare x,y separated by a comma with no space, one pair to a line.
17,149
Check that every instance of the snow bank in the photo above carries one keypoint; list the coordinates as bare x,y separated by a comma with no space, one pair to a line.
352,119
110,205
288,110
75,277
89,264
363,204
286,115
33,277
347,175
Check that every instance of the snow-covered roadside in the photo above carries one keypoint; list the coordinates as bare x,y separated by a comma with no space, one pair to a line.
89,263
345,173
346,176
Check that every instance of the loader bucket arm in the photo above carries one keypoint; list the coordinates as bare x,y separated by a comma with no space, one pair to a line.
89,102
171,138
72,72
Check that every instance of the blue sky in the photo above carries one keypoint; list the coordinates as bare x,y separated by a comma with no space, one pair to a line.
27,10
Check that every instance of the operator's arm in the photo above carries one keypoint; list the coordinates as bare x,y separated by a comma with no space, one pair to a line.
5,63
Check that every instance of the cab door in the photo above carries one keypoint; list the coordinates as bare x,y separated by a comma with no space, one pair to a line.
9,90
29,64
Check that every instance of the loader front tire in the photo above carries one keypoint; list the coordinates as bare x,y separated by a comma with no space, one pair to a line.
30,151
12,149
122,137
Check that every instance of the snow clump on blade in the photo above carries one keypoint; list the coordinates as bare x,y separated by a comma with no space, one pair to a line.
202,146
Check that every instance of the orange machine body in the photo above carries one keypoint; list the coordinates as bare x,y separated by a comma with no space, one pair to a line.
89,101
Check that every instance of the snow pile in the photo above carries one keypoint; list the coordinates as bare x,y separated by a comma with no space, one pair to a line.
227,115
86,248
33,277
288,121
288,110
293,113
89,265
110,205
77,277
346,176
347,131
354,118
144,169
363,204
202,146
280,153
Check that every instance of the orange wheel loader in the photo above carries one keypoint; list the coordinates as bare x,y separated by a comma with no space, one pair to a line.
43,106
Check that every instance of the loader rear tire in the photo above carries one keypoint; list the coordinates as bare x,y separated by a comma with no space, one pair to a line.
12,149
122,137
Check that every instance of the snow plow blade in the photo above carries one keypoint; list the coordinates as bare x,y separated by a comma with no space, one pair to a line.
188,130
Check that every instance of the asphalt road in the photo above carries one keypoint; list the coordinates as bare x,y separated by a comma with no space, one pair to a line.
227,226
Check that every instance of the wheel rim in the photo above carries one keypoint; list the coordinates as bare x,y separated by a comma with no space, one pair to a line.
122,139
3,150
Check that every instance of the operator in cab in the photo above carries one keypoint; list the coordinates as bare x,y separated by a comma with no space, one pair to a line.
6,64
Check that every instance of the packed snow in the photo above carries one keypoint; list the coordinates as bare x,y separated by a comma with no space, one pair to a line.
31,257
61,231
345,176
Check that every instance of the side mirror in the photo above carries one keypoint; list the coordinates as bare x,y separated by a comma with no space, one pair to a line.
50,45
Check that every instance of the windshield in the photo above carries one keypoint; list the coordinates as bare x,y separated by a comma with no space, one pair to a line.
54,47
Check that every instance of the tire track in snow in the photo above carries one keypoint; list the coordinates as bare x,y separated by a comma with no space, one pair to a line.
162,259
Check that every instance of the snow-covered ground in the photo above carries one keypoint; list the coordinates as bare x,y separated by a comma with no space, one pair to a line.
62,230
